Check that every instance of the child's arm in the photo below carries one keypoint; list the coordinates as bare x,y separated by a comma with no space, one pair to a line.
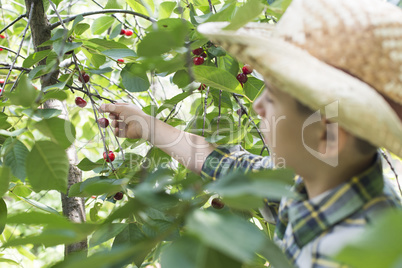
130,121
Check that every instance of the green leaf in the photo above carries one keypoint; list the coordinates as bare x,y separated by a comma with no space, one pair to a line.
217,78
106,232
15,157
156,43
378,246
25,94
47,167
100,70
132,235
189,252
216,230
250,10
3,215
81,28
134,78
61,47
260,184
104,44
60,131
116,31
35,58
138,7
14,133
101,24
38,71
48,238
87,165
113,4
21,190
166,9
170,34
181,78
229,64
226,13
97,186
96,59
119,53
278,7
42,113
173,101
225,98
39,205
108,258
55,94
253,88
3,121
38,218
5,176
217,51
8,261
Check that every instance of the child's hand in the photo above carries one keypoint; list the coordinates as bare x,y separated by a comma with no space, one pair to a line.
128,120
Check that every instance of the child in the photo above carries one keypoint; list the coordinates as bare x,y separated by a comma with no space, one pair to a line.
341,59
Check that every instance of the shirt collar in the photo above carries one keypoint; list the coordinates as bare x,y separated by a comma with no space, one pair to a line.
310,218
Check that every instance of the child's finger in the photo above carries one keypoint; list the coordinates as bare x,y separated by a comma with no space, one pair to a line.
116,108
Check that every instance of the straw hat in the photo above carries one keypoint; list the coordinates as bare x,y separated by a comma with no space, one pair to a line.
327,51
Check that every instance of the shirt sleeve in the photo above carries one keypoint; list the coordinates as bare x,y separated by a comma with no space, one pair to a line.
226,158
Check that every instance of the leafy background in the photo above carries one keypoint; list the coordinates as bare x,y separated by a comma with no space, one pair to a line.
165,217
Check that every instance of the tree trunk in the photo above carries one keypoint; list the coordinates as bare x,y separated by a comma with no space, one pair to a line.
73,208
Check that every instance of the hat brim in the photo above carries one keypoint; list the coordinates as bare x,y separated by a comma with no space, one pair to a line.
361,110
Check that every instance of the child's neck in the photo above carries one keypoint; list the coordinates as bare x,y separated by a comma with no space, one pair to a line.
325,177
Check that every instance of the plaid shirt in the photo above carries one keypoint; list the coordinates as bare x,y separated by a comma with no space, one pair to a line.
310,231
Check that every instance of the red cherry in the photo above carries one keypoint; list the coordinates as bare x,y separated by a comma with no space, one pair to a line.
2,36
247,69
80,102
120,61
242,78
204,55
198,51
128,33
118,196
202,87
198,60
122,31
85,76
103,122
111,156
1,49
217,203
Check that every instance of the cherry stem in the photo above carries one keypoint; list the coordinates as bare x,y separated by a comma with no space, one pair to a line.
94,111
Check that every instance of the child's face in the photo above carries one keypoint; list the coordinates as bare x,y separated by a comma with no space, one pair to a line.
282,126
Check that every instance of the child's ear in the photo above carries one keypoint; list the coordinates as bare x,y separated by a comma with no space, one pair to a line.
332,140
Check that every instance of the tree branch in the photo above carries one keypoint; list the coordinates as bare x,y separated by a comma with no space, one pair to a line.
12,51
13,22
252,122
105,11
7,67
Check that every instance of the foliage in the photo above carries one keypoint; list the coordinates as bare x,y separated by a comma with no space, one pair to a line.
165,216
